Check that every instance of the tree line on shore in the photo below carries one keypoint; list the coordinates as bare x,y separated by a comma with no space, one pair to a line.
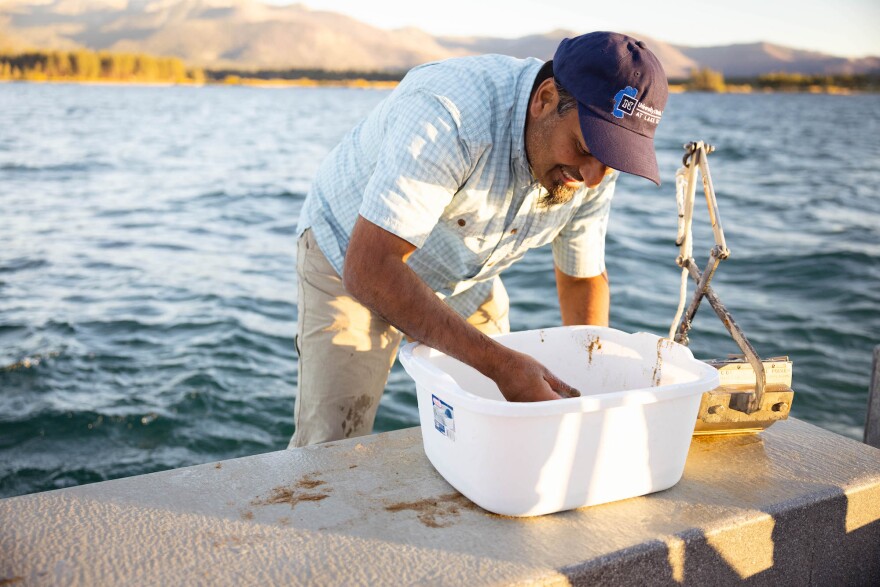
709,80
86,65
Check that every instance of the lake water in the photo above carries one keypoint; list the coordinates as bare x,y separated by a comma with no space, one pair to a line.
147,251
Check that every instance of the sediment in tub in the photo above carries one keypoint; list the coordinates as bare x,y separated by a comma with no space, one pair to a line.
658,364
595,344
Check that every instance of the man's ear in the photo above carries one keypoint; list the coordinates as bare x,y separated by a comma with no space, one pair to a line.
545,98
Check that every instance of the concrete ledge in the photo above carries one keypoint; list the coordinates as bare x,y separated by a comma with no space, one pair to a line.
796,505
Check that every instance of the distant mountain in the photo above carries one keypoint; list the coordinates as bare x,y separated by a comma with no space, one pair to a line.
248,34
218,33
749,60
676,64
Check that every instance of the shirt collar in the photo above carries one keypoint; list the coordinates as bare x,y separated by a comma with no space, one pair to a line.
518,125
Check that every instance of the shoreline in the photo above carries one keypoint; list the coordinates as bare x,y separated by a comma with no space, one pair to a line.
250,82
361,83
747,89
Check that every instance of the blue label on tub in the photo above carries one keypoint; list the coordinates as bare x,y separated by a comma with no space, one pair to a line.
444,419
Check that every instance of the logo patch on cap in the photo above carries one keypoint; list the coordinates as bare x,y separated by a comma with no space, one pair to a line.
625,102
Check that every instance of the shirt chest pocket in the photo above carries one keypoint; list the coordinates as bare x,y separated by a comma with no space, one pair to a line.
476,226
468,244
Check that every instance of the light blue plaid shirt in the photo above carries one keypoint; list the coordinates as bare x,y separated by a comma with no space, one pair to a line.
441,163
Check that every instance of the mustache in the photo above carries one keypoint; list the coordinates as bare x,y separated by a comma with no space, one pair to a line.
572,172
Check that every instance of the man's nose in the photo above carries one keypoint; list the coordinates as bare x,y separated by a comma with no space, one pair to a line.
593,171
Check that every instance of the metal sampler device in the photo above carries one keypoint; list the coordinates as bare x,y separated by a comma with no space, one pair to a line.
754,393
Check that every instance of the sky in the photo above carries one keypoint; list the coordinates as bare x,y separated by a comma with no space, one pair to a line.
847,28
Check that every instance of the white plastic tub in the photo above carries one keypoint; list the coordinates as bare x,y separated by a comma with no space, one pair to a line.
627,435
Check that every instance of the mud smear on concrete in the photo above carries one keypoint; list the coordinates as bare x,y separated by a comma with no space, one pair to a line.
309,482
288,495
296,493
436,512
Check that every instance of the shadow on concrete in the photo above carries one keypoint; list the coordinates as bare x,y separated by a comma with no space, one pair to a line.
805,552
825,536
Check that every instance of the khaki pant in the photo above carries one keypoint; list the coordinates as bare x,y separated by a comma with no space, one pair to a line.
346,351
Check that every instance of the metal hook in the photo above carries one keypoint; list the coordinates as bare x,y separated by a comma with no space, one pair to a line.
689,149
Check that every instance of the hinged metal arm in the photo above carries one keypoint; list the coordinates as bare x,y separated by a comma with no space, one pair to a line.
696,157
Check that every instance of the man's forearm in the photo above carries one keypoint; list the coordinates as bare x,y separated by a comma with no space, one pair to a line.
392,290
376,274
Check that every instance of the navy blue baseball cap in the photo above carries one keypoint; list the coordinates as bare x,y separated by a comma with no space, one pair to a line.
621,91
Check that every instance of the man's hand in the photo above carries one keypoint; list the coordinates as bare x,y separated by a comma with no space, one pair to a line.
524,379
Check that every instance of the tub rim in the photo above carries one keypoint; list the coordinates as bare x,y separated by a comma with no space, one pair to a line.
706,380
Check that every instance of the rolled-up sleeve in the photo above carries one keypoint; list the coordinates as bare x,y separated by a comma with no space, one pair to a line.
423,160
579,248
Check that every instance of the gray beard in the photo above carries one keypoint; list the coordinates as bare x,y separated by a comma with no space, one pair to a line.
559,194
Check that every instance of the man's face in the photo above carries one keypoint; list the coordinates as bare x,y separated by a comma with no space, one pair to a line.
559,157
